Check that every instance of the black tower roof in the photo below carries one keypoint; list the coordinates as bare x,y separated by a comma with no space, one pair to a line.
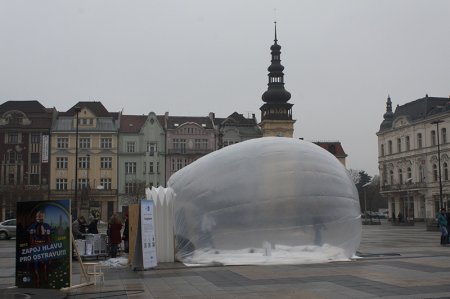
275,91
276,106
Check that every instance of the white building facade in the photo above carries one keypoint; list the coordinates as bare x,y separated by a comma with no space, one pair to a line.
413,158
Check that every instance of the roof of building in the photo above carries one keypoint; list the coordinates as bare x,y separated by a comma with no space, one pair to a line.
132,123
334,147
24,106
39,117
236,119
96,107
417,110
173,122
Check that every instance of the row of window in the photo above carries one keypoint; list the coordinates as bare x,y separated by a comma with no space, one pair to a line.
106,163
151,148
13,157
130,187
16,138
83,142
85,121
433,140
177,143
421,174
177,164
61,184
192,131
151,167
130,167
83,162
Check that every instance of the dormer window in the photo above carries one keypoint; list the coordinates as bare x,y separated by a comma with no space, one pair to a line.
85,121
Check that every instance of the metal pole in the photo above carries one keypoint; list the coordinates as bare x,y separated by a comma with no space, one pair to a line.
439,161
77,110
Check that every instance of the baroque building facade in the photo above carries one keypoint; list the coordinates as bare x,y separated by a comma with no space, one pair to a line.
24,153
413,158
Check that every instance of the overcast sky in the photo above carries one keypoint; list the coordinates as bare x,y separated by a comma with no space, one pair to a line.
342,59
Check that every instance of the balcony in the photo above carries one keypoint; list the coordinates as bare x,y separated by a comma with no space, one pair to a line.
92,192
11,188
404,187
183,151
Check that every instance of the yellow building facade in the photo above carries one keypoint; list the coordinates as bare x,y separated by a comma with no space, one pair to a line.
85,172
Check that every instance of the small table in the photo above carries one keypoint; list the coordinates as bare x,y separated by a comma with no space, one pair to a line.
95,270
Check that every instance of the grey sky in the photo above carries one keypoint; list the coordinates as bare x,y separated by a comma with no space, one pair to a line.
342,59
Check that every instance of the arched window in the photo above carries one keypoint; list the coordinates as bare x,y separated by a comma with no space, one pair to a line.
391,177
382,150
407,143
390,147
400,176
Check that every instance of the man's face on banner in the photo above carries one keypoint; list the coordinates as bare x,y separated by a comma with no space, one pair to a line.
40,217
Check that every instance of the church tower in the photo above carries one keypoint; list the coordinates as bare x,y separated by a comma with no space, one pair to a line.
276,112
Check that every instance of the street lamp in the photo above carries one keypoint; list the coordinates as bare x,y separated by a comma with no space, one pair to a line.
78,203
408,181
365,197
437,122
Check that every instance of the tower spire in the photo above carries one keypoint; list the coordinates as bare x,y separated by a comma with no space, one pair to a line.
388,115
276,112
275,32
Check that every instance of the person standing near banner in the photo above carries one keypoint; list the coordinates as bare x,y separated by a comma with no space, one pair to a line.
115,238
79,228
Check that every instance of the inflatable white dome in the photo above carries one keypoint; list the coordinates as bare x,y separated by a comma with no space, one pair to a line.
269,200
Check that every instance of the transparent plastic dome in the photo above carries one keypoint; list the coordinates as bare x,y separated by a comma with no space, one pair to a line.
269,200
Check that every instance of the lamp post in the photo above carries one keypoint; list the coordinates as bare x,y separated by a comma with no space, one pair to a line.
365,196
437,122
408,181
78,203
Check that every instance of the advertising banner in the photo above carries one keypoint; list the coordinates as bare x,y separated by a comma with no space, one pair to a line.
148,235
45,146
43,244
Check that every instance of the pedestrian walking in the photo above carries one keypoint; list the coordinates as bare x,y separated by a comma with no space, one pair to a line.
442,221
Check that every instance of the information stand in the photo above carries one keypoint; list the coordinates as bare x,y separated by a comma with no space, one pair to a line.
145,250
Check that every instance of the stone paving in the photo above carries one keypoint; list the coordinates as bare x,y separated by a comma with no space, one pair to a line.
396,262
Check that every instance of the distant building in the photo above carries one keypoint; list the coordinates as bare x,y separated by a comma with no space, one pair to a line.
24,153
236,128
276,113
97,158
410,168
142,146
187,139
335,148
